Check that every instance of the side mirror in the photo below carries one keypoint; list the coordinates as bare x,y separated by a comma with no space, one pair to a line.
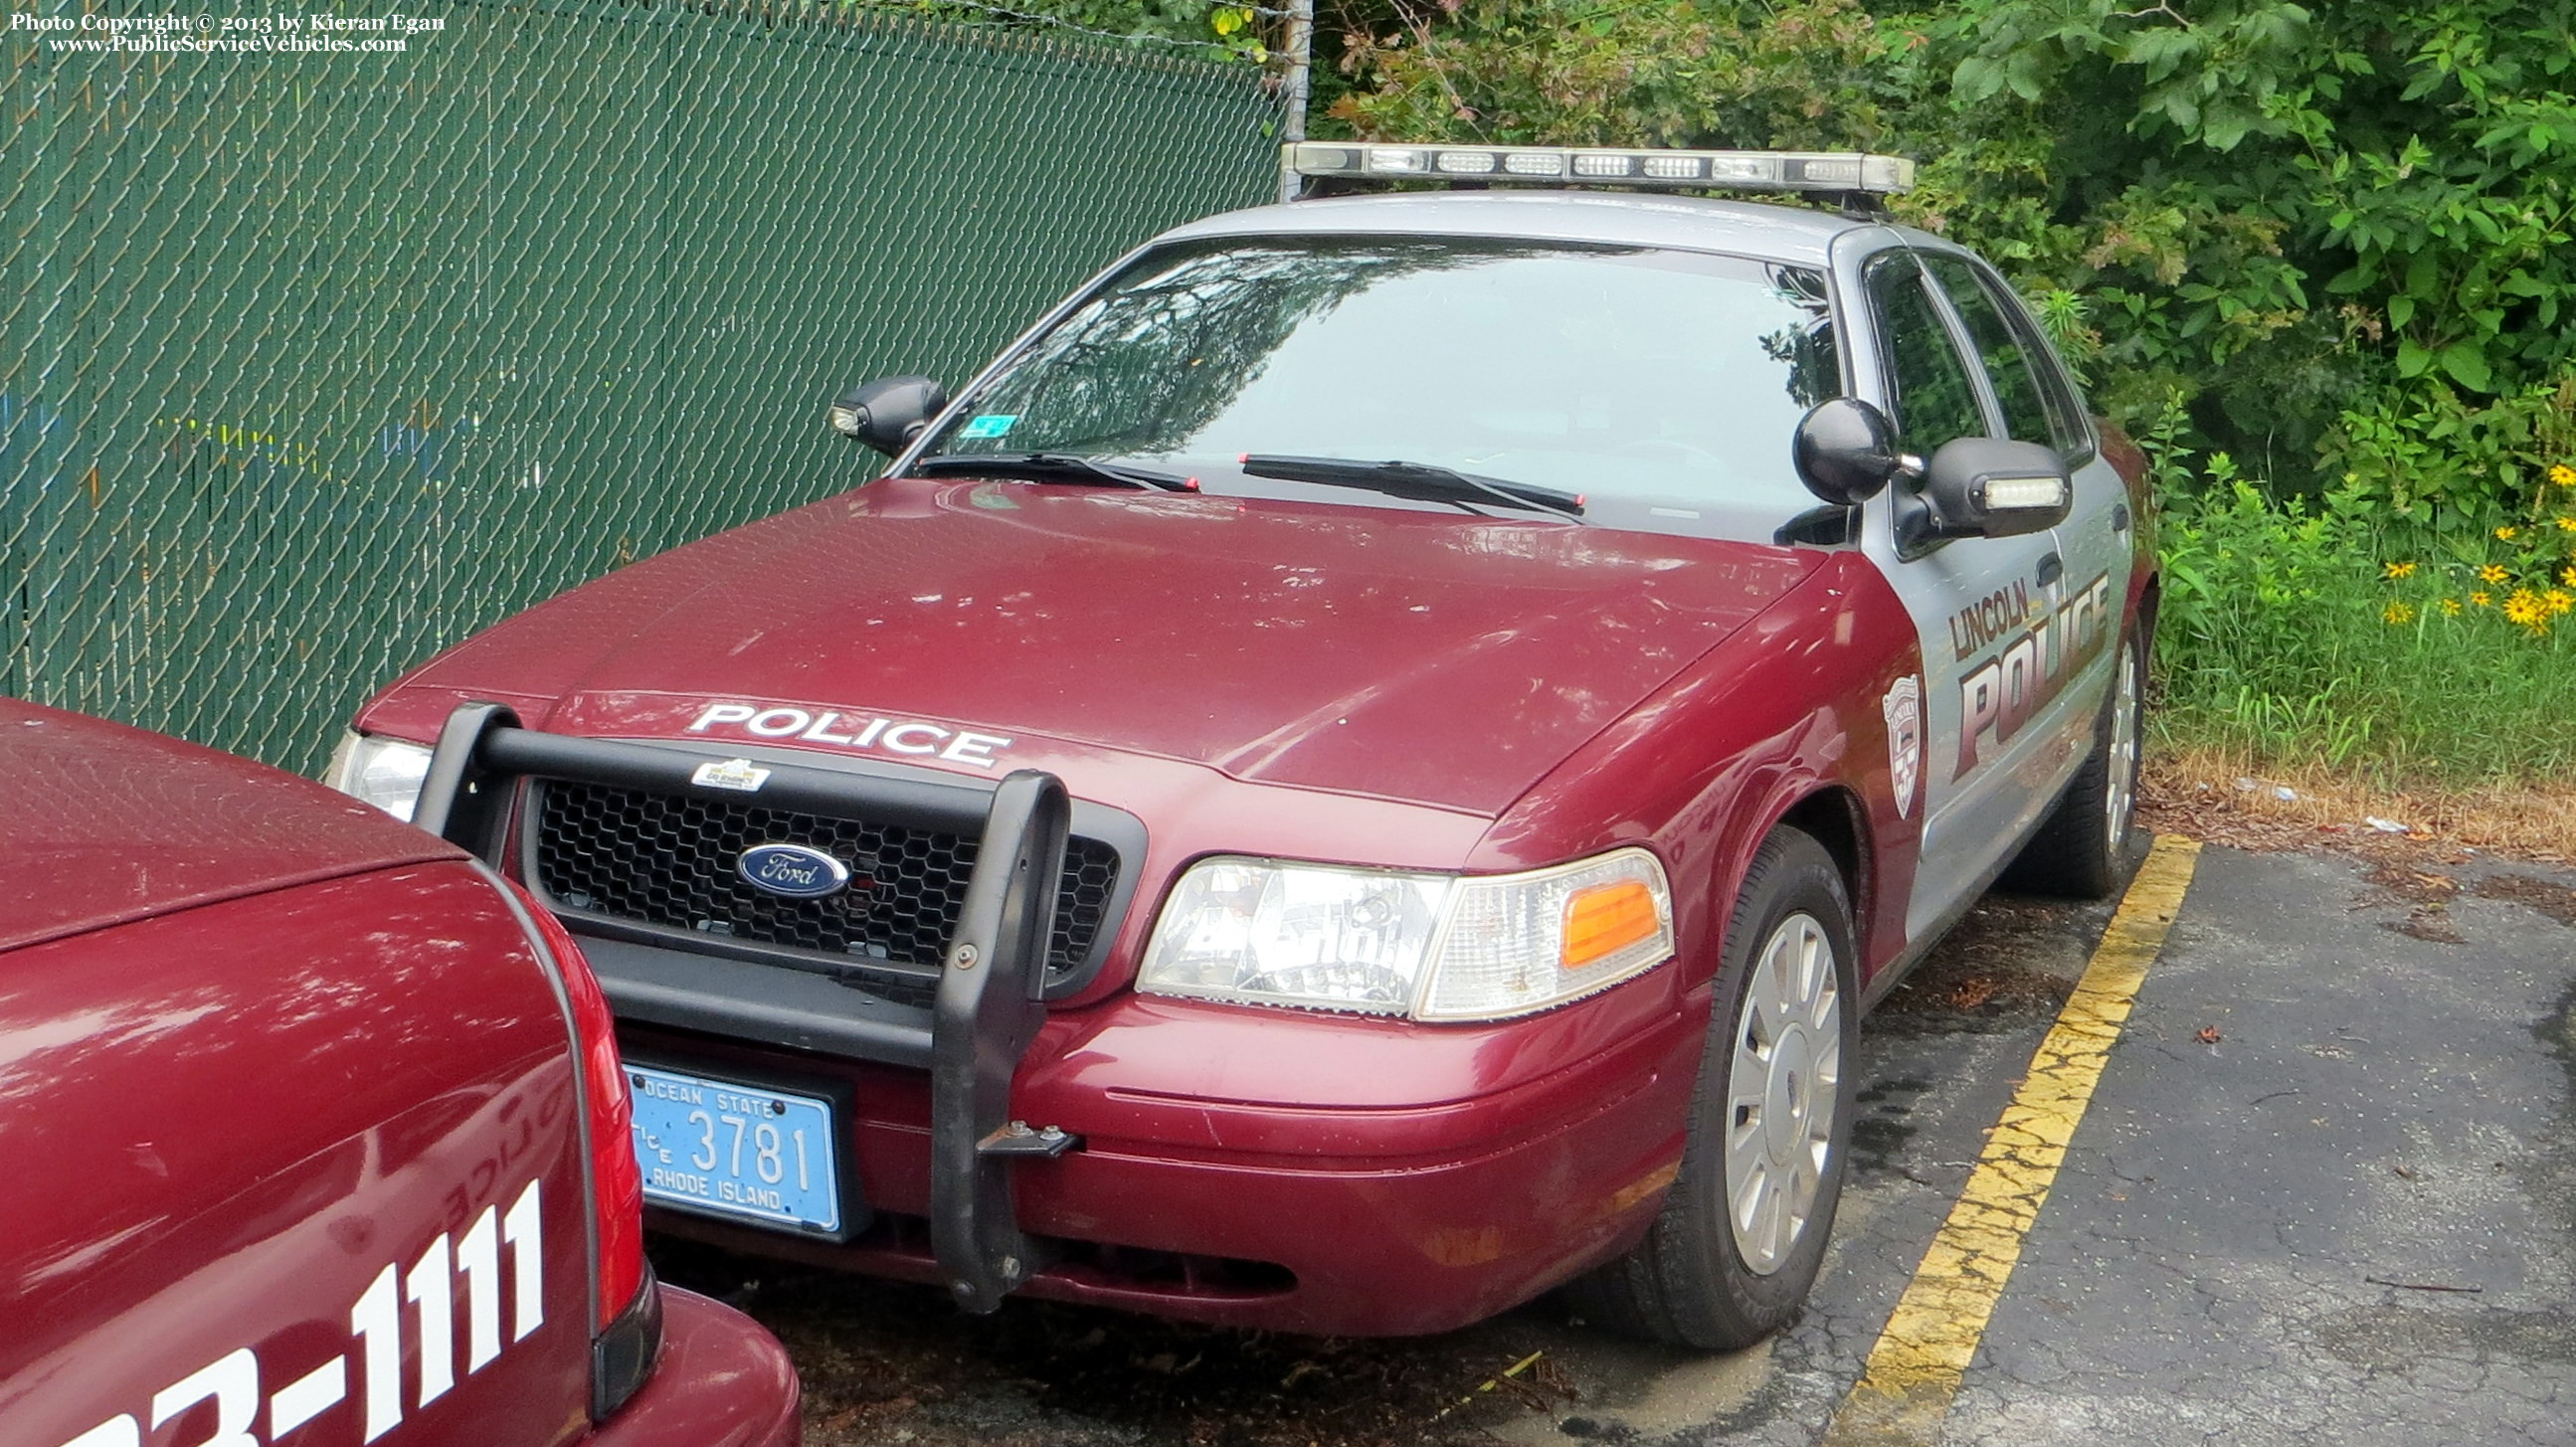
1987,487
1845,451
889,412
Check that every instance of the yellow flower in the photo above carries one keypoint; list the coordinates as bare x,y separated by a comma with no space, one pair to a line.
2559,600
2450,607
2567,575
2567,525
2492,573
2525,608
2563,475
2480,598
2400,570
2398,612
2507,534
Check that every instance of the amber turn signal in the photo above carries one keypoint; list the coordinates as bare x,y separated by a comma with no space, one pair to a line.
1605,919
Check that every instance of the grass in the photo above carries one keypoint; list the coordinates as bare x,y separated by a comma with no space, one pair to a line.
2321,643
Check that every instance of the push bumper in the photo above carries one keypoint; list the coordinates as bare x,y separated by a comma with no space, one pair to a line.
990,996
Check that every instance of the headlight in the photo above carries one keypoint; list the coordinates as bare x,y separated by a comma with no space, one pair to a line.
384,772
1295,934
1431,946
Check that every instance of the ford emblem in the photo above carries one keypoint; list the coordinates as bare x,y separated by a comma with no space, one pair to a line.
792,870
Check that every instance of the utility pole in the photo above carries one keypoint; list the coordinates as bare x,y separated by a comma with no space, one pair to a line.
1301,60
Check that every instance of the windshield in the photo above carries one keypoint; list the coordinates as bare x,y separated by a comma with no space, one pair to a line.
1662,386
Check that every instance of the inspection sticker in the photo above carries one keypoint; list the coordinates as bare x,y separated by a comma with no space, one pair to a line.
740,775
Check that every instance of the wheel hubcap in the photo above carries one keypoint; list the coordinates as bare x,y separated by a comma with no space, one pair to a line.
1783,1088
2120,798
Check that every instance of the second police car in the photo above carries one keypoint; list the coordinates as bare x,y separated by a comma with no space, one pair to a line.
1366,769
316,1135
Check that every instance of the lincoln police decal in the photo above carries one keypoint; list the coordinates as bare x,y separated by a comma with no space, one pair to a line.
1904,709
793,870
2009,689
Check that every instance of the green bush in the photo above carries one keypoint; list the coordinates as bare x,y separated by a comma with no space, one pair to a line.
2339,231
2329,240
1207,29
2326,635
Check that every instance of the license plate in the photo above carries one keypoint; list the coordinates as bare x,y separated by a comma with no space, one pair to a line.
742,1151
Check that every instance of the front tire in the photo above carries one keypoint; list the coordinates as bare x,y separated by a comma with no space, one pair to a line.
1744,1226
2088,846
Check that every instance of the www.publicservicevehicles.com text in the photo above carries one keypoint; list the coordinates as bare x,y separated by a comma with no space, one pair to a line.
267,34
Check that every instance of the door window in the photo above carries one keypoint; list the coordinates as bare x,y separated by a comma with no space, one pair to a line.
2016,390
1934,399
2037,406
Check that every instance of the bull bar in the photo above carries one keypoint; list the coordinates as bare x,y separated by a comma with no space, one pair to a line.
987,1005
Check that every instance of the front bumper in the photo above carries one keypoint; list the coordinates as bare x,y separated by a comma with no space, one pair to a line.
1368,1179
1231,1164
722,1381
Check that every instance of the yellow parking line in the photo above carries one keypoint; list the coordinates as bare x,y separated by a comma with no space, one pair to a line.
1904,1395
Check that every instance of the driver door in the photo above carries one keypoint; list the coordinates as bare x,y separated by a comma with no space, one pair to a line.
1986,764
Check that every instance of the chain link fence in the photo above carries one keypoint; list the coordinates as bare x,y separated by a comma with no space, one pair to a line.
314,359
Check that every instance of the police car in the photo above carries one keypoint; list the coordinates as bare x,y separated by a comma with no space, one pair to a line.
1366,769
315,1135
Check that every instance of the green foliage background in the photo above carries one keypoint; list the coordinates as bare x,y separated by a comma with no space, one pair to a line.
2328,240
2314,258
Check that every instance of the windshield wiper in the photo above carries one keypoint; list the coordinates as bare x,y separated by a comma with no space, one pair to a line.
1421,481
1051,467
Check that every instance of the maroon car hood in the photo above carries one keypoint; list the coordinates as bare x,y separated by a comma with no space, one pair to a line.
1425,656
101,824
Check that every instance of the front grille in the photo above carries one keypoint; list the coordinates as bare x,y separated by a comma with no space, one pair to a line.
667,861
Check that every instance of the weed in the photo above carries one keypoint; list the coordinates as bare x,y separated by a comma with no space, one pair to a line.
2337,636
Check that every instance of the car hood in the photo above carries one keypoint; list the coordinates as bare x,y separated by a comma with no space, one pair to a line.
1425,656
101,824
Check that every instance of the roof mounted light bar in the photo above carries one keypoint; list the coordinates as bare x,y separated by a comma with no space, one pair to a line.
1837,171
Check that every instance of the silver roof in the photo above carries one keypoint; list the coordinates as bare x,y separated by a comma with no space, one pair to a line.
1742,228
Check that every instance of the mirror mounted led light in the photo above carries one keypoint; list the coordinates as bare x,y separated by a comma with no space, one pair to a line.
1988,487
2003,494
889,412
1850,172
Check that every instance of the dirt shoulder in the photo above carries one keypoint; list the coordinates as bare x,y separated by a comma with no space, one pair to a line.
2222,799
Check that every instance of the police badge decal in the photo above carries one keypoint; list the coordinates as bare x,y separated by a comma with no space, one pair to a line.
1904,709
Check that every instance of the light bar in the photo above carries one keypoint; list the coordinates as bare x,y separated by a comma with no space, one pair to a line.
1847,171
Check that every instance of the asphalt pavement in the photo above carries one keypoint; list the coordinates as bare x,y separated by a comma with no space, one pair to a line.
2327,1192
2324,1191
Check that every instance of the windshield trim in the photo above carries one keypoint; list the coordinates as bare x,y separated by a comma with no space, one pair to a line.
1156,249
1170,251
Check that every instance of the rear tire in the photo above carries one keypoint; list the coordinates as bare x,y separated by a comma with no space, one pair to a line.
2089,845
1744,1226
